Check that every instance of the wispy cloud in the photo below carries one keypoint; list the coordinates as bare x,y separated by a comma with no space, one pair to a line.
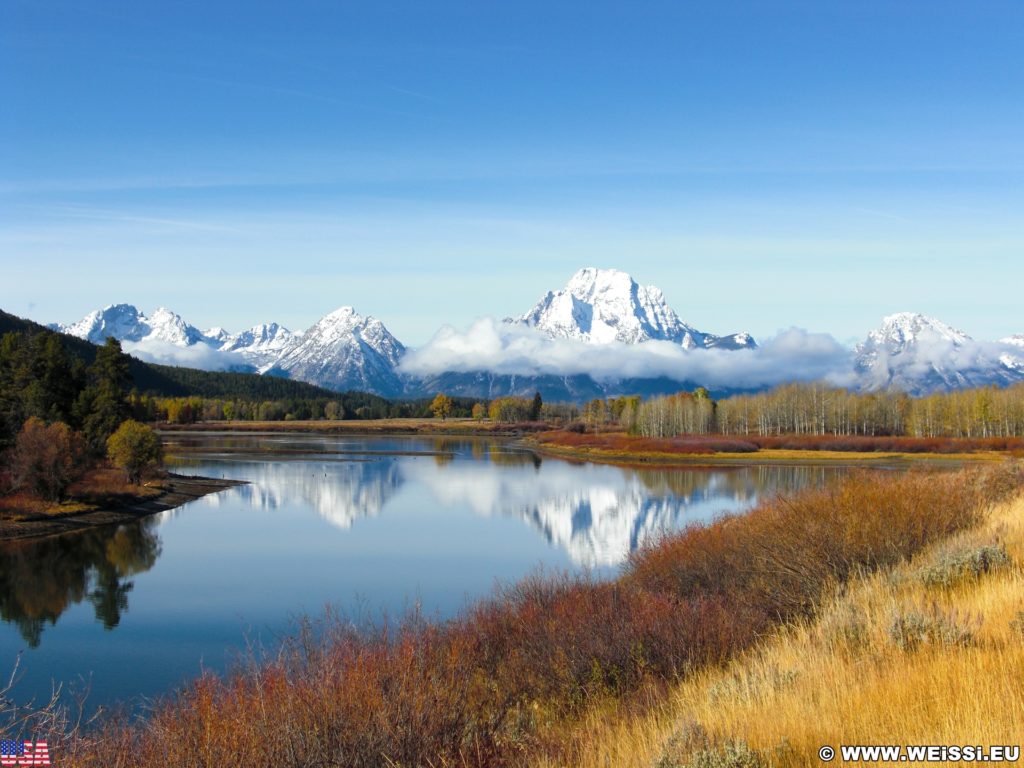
97,214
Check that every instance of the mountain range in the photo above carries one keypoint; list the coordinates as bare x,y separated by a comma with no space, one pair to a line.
598,315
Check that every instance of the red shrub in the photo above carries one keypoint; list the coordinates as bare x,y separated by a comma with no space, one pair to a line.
491,687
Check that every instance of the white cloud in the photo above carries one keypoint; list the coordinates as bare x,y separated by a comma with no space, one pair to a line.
196,356
502,348
935,362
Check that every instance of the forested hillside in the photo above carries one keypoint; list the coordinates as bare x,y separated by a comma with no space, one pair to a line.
171,381
43,375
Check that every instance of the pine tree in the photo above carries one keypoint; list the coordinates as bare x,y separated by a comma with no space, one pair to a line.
103,404
536,406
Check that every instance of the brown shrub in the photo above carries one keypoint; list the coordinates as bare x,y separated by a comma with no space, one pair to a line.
622,442
46,459
496,685
775,561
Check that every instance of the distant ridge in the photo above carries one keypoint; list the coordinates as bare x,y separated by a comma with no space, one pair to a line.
174,381
345,350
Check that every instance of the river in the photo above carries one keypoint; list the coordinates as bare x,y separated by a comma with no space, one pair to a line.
365,525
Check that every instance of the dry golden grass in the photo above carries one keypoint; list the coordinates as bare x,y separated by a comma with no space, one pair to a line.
22,506
842,679
100,487
103,483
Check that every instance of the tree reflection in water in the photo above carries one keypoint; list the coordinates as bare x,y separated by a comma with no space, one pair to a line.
39,580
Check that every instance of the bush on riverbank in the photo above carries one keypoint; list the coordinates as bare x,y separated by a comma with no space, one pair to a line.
499,685
622,443
918,661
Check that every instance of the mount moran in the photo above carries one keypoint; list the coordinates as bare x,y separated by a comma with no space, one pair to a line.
602,334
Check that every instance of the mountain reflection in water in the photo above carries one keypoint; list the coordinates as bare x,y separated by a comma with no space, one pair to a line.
597,514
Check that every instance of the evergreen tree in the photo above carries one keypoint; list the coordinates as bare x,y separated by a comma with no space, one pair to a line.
536,406
103,404
11,386
56,381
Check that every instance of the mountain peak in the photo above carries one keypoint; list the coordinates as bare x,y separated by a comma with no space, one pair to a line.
590,280
903,328
341,313
120,321
345,350
601,306
919,354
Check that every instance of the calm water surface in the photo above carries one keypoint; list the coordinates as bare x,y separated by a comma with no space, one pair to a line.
365,525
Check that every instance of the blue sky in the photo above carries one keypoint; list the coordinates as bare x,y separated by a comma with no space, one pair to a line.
765,164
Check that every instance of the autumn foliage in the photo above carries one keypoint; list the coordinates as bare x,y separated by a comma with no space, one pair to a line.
134,447
622,443
46,459
498,685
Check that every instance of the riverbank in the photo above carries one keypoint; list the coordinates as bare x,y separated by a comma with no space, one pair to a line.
128,504
924,652
513,677
623,449
720,450
424,427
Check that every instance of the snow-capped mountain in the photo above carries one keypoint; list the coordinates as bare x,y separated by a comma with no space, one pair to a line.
262,345
145,335
604,305
126,323
345,350
918,354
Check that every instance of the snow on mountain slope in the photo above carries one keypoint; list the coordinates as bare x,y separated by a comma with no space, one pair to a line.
157,336
121,321
919,354
261,345
216,335
1013,359
345,350
604,305
126,323
168,326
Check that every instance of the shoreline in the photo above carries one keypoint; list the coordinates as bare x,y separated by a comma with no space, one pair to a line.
176,491
463,427
524,436
765,456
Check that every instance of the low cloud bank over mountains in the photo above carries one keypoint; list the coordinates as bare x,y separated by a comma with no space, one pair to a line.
601,334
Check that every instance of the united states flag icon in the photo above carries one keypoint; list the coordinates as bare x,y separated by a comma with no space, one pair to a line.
21,753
